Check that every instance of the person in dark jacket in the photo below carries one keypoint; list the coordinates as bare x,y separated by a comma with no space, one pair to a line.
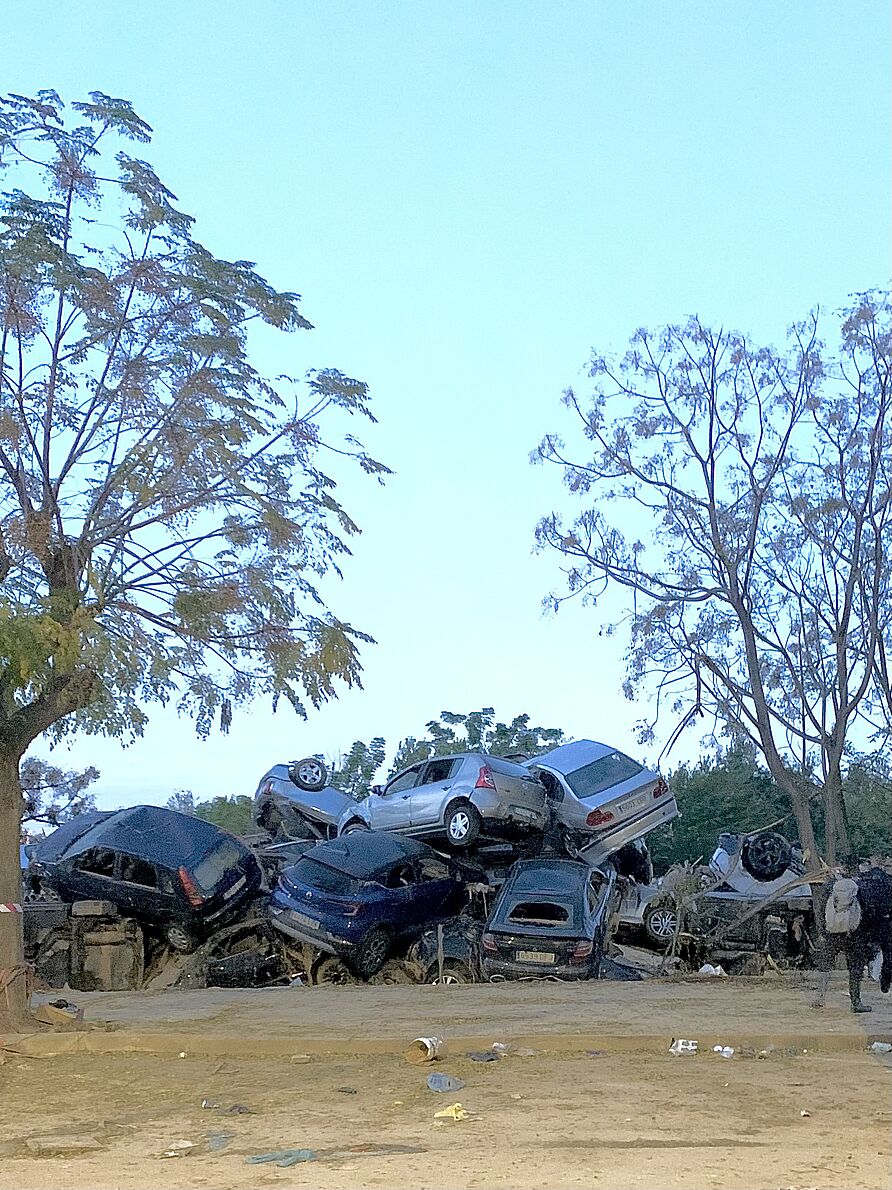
873,933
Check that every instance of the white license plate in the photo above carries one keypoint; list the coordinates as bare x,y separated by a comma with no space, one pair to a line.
534,956
230,892
634,803
303,920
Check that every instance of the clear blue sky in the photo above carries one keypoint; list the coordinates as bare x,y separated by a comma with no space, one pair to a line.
469,197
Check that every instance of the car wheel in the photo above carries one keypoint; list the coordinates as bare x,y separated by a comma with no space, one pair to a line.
453,973
179,938
462,824
661,925
354,825
766,856
308,774
394,973
370,955
333,970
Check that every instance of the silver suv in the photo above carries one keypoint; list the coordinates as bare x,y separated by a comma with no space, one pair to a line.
458,797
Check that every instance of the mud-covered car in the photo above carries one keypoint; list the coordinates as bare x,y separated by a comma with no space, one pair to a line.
451,953
295,801
601,798
180,876
365,897
456,798
550,919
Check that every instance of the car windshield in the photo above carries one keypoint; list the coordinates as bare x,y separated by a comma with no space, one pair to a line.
539,913
602,774
309,872
211,868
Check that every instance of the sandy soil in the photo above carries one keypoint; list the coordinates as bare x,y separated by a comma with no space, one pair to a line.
560,1117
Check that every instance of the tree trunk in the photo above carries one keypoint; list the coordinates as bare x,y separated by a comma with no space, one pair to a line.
802,813
13,1000
838,846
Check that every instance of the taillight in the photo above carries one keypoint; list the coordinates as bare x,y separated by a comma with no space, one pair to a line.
485,778
190,888
489,944
660,789
599,818
581,951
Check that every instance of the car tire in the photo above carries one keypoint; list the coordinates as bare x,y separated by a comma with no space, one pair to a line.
394,973
462,825
454,972
354,825
661,925
371,954
766,855
332,970
179,938
308,774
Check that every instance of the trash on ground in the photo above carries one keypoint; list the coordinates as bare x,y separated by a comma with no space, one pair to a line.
683,1046
282,1157
723,1051
239,1109
880,1047
482,1056
804,1113
217,1141
346,1090
444,1082
180,1148
209,1105
59,1012
300,1059
426,1049
714,972
49,1146
454,1112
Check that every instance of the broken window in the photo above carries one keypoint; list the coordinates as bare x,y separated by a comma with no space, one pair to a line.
138,871
539,913
98,861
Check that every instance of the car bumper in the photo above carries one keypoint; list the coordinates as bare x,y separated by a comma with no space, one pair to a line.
506,969
287,921
605,843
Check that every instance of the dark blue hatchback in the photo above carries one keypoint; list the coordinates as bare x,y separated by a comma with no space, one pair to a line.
364,896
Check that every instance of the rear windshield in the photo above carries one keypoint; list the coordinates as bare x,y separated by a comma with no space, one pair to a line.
211,868
539,913
602,774
316,875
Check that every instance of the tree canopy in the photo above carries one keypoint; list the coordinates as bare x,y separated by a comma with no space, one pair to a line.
740,495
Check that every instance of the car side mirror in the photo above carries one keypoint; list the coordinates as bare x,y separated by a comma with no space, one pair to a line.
378,790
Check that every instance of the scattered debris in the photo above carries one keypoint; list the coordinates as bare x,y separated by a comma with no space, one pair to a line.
282,1157
482,1056
426,1049
804,1113
346,1090
60,1146
717,972
724,1051
180,1148
880,1047
454,1112
683,1046
444,1082
217,1141
300,1059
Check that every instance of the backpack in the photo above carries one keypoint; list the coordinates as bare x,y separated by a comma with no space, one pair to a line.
842,914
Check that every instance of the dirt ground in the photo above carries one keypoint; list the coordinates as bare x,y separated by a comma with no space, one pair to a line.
600,1103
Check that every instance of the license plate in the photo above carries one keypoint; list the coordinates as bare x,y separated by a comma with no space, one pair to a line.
230,892
524,815
303,920
534,956
634,803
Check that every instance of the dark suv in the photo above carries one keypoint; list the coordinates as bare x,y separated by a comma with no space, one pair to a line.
176,873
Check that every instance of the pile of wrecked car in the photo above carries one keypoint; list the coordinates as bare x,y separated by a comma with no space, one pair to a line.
460,869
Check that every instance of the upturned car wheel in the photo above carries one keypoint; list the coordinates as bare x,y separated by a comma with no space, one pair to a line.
661,925
766,856
371,954
179,938
462,824
308,774
453,973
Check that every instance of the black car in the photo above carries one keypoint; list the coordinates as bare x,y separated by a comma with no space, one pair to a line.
365,896
179,875
550,920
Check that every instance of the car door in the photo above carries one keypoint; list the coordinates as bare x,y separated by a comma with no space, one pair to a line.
437,892
430,795
391,809
138,887
90,875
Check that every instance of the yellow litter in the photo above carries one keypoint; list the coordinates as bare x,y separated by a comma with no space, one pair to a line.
455,1112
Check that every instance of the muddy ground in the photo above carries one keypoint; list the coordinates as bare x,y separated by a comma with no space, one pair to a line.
600,1103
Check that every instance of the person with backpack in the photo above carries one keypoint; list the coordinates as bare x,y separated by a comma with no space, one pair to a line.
854,919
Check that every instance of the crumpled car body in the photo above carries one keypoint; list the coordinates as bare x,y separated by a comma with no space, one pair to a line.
284,809
602,798
179,875
550,920
455,797
365,896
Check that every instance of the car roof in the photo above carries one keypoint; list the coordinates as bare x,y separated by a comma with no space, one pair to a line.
547,876
55,844
154,833
570,757
363,853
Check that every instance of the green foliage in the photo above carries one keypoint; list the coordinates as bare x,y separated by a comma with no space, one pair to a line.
231,814
353,773
165,518
477,732
52,795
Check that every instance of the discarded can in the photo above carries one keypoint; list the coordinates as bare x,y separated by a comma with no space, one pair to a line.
683,1046
443,1082
426,1049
